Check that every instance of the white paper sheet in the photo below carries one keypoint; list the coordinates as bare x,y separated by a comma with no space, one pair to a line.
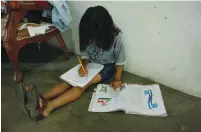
73,77
145,100
33,31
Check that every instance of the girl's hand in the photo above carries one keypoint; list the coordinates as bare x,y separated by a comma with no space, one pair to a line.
83,73
115,84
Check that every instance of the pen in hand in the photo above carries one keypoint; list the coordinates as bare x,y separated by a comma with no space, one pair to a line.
82,71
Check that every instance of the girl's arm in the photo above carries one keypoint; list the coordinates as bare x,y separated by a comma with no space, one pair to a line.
118,73
85,62
120,60
80,71
116,83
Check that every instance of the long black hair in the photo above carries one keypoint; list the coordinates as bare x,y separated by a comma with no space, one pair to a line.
96,25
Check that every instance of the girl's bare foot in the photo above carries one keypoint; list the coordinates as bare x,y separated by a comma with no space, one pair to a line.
47,110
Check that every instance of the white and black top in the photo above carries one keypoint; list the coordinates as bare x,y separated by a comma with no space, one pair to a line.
114,55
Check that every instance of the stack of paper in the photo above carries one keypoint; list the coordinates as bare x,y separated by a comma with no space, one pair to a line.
131,98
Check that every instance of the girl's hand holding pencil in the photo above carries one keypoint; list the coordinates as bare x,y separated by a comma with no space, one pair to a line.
83,70
82,73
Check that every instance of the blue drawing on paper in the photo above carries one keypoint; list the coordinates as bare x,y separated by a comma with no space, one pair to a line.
150,99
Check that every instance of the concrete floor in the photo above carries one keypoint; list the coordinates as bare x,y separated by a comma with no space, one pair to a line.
184,111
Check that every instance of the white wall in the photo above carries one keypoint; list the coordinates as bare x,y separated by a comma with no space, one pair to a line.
162,39
67,37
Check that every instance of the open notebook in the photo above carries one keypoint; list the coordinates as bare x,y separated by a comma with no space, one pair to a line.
73,78
130,98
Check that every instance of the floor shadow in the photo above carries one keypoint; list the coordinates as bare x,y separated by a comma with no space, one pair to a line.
34,53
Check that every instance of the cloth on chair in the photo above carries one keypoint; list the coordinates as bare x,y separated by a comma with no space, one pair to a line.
26,30
35,29
3,25
4,17
61,16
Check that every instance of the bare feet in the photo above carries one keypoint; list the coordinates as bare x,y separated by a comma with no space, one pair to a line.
47,110
48,105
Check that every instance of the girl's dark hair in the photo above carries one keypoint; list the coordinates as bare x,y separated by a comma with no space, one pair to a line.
97,26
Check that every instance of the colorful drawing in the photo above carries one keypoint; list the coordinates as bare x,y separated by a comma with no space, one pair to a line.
122,86
103,89
150,99
104,101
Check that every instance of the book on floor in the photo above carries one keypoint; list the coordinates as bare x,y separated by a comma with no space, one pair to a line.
73,78
130,98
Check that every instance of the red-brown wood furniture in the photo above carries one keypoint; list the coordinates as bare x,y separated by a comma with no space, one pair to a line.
14,40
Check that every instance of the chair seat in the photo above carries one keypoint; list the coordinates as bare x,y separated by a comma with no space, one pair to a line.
23,32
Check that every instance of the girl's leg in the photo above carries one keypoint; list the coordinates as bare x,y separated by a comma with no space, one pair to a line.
56,90
68,96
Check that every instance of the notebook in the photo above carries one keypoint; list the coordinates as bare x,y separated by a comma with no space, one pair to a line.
130,98
73,78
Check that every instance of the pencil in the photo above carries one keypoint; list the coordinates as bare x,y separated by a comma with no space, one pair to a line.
81,63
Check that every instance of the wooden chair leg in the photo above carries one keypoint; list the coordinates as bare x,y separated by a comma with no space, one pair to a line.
13,56
63,46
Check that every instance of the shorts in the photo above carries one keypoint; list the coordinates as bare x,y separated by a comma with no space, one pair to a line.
107,72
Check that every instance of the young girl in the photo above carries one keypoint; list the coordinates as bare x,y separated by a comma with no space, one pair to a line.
100,42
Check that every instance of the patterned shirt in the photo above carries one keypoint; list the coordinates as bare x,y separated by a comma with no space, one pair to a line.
114,55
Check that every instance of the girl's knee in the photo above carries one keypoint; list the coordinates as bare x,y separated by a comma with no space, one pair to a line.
79,90
65,84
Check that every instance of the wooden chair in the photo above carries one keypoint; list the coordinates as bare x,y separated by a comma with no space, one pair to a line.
14,40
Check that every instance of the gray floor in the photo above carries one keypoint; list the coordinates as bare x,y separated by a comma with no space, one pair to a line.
184,111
